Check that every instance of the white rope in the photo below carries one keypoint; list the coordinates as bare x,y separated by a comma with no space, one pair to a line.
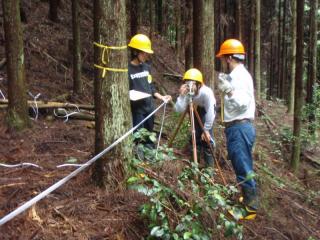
20,165
2,95
58,184
35,105
67,115
162,121
70,165
213,142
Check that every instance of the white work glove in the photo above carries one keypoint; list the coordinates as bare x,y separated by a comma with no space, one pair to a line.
166,98
224,84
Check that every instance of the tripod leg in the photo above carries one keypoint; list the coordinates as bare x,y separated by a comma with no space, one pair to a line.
193,133
177,129
210,146
222,109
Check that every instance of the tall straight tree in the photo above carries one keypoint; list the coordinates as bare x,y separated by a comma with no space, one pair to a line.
295,160
133,4
111,90
312,56
178,29
17,115
53,10
152,13
238,20
203,39
283,72
188,36
280,48
159,14
77,81
251,50
293,56
257,57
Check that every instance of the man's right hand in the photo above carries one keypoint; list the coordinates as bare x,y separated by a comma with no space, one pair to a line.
183,89
224,85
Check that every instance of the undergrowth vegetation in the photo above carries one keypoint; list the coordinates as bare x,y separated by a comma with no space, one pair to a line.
311,119
189,205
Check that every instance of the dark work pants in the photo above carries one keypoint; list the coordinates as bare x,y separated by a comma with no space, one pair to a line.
137,117
202,145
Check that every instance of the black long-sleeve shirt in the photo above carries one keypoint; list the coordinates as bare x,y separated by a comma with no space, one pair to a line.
140,79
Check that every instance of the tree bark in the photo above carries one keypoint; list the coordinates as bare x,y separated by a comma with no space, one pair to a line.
198,37
252,40
17,115
239,25
53,10
153,26
280,49
111,96
188,35
293,56
203,39
257,68
312,56
77,81
295,160
283,82
141,14
178,29
133,17
160,17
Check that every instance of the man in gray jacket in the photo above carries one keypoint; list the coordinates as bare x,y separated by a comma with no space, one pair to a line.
203,97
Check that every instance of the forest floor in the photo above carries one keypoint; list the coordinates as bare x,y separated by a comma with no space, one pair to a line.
290,203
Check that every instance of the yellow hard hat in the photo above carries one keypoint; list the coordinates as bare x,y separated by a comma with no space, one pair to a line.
230,47
194,75
141,42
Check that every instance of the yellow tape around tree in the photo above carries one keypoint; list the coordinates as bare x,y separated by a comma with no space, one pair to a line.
104,69
109,47
104,52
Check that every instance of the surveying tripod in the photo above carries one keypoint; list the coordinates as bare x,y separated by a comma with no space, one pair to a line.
193,112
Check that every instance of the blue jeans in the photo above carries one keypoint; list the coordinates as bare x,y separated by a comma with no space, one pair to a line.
240,140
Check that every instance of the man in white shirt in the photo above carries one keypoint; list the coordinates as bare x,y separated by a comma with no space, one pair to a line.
239,109
203,97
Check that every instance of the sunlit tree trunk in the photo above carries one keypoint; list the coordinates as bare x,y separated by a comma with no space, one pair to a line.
77,81
17,115
111,96
293,56
298,89
257,50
